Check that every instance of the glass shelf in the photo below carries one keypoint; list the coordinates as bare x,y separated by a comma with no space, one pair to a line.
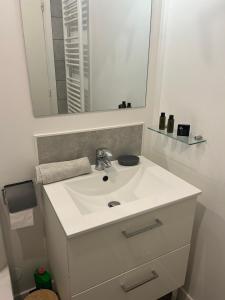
188,140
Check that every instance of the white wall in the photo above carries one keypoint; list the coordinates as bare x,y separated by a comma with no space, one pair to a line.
119,45
193,88
36,56
25,247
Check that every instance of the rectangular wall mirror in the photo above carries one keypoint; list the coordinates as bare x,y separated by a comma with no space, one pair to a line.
86,55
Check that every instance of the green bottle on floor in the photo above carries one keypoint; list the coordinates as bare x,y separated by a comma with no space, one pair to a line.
43,279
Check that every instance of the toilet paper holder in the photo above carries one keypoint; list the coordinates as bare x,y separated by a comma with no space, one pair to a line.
19,196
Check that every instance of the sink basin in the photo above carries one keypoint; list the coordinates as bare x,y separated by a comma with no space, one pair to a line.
118,184
103,197
95,192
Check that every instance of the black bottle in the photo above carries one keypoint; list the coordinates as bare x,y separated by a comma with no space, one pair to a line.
170,124
124,104
129,105
162,121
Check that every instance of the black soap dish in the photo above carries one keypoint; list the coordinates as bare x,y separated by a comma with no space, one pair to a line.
128,160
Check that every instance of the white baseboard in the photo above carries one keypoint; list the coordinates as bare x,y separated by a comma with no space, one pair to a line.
183,295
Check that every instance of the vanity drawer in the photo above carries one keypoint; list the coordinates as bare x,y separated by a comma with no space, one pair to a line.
150,281
97,256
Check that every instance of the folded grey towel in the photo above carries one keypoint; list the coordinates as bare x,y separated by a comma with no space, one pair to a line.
52,172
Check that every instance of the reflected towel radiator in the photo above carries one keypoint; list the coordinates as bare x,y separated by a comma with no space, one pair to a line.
75,25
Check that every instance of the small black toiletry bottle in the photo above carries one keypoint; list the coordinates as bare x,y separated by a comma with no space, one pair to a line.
124,104
162,121
129,105
170,124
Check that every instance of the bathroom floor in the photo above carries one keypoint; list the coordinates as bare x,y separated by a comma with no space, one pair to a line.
167,297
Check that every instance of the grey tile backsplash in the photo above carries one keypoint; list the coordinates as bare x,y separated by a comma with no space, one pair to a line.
61,147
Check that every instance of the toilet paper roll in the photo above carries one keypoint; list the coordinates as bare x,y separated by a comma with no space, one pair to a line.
19,196
21,219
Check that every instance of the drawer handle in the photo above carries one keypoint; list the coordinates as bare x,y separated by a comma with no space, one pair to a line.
127,289
156,224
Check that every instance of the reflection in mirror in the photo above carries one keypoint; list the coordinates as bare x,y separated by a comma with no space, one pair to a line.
86,55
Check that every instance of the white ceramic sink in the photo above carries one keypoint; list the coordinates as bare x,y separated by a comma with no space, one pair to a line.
118,184
97,191
104,182
81,203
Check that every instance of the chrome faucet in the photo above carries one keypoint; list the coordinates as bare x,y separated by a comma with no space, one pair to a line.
103,159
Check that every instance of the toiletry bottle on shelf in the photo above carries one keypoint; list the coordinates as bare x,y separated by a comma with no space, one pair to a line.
170,124
124,104
162,121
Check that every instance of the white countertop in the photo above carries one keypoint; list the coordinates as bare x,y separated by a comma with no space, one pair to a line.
5,285
173,189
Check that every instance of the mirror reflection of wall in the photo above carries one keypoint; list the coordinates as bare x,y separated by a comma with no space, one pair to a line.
85,56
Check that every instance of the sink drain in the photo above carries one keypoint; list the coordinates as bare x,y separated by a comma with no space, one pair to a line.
105,178
113,203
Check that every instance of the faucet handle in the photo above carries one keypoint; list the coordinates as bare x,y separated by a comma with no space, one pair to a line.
104,152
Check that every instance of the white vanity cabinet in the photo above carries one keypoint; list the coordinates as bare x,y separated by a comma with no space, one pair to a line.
142,257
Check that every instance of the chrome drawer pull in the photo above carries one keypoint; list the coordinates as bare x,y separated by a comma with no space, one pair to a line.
156,224
134,286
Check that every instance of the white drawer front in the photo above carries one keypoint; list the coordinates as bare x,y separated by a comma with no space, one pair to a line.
108,252
150,281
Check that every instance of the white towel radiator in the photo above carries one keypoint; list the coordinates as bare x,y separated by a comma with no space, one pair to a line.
75,23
